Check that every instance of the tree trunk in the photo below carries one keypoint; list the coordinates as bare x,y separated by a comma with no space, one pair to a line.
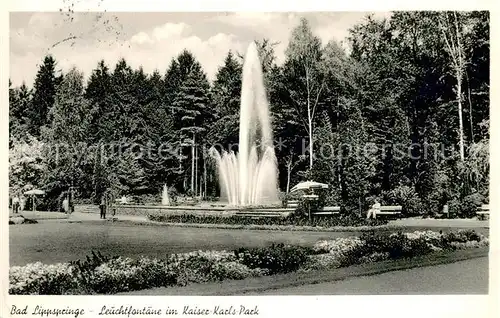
310,119
460,67
460,119
196,170
204,175
310,145
470,110
192,166
289,173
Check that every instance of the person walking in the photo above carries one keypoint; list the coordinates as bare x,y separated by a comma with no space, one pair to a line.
102,206
65,205
22,203
15,204
106,203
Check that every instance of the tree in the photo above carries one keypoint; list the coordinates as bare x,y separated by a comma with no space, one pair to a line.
71,112
452,28
226,91
304,78
98,93
27,162
191,106
127,176
43,96
70,164
19,104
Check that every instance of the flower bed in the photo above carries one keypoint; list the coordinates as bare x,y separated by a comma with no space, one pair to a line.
103,275
325,222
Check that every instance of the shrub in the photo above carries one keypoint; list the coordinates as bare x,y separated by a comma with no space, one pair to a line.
408,198
470,204
99,274
394,246
37,278
337,246
235,270
85,269
278,258
296,219
454,208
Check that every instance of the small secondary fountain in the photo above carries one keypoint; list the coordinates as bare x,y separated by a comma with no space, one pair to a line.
165,199
250,177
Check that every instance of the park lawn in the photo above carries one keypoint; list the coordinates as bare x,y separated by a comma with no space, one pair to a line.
59,242
54,242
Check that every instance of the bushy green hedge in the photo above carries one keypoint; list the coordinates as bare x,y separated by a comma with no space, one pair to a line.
323,221
104,275
276,258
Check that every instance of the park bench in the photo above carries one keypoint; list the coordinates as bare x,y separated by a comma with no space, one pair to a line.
483,211
292,204
187,201
389,210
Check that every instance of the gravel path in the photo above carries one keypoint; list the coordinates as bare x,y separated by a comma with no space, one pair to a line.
464,277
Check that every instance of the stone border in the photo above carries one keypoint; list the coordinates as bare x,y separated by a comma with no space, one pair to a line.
363,228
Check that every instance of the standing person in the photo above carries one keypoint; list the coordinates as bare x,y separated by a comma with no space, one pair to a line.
102,206
106,203
15,204
22,203
65,205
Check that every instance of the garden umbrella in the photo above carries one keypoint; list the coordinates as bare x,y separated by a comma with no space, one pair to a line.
306,185
34,193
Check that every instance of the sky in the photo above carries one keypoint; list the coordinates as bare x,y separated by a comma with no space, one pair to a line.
151,40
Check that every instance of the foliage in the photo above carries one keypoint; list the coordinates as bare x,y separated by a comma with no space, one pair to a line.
44,91
294,219
278,258
99,274
383,114
27,163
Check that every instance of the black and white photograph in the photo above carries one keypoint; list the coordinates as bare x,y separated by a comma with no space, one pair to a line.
247,154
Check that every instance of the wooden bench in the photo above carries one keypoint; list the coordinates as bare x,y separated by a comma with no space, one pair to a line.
327,210
292,204
187,201
483,211
389,210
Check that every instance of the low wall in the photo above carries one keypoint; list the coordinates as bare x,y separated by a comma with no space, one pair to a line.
195,210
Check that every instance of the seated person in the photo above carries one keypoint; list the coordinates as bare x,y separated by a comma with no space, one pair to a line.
372,212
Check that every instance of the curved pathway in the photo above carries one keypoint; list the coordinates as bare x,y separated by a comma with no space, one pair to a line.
464,277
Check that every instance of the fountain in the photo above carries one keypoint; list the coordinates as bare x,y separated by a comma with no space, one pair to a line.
250,177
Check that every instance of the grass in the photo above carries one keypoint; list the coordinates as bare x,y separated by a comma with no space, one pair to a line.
52,242
258,285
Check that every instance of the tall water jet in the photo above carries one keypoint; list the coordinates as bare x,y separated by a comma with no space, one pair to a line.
250,177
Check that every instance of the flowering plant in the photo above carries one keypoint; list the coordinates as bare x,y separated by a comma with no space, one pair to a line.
99,274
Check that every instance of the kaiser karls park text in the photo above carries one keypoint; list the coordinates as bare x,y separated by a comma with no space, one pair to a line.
128,311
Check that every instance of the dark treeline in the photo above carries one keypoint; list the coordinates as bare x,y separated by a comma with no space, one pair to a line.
401,115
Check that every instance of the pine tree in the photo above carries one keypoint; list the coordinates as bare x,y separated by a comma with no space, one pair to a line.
226,93
98,93
43,96
192,107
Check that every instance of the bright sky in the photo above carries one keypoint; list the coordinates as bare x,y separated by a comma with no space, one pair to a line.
153,39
